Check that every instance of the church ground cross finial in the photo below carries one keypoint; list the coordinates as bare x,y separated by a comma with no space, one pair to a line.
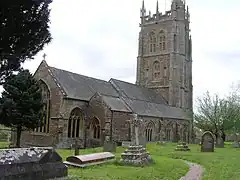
44,56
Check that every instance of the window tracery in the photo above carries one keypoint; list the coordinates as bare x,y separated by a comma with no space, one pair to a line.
149,131
152,43
162,41
75,123
95,128
46,108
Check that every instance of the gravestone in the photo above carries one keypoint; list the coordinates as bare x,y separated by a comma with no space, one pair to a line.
35,163
220,143
236,144
136,155
109,146
126,144
207,142
76,148
89,159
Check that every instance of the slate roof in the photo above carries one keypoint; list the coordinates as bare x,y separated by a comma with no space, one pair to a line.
116,104
133,91
145,108
82,87
118,95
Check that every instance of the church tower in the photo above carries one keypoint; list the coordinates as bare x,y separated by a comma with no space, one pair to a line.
164,61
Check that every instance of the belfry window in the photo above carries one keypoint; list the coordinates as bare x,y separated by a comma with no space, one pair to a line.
152,43
162,41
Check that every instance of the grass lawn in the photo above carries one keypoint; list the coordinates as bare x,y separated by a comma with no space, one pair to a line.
164,168
3,145
223,164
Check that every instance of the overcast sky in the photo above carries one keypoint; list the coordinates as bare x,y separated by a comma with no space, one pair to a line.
99,38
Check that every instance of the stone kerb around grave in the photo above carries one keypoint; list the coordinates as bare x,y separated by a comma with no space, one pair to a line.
35,163
207,142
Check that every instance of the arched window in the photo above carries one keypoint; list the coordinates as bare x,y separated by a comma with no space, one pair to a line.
46,108
149,131
152,42
162,41
169,131
95,128
168,134
76,123
156,70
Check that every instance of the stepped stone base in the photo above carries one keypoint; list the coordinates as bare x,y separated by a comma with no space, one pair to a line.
182,147
136,156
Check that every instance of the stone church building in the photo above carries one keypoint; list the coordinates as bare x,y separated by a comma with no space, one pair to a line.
90,110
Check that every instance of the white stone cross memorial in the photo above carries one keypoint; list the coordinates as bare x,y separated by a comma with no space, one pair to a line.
136,123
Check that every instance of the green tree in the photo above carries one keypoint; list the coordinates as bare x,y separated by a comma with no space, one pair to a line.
218,115
21,105
24,30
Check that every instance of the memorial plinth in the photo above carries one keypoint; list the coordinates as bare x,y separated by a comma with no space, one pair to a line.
182,146
136,156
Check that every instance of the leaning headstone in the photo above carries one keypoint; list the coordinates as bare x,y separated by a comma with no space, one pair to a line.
31,163
136,155
182,146
207,142
89,159
219,143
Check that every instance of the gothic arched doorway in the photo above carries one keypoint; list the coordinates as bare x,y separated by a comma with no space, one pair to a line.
76,123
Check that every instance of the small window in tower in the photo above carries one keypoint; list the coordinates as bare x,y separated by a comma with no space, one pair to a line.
152,42
162,41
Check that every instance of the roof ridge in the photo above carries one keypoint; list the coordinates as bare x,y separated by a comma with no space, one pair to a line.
78,74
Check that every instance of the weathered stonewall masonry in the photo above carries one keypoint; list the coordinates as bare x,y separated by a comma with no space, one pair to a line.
31,164
90,111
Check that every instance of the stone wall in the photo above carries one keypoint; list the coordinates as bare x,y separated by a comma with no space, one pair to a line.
120,126
56,95
67,106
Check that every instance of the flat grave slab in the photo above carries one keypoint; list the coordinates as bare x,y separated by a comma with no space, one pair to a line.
31,163
89,159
